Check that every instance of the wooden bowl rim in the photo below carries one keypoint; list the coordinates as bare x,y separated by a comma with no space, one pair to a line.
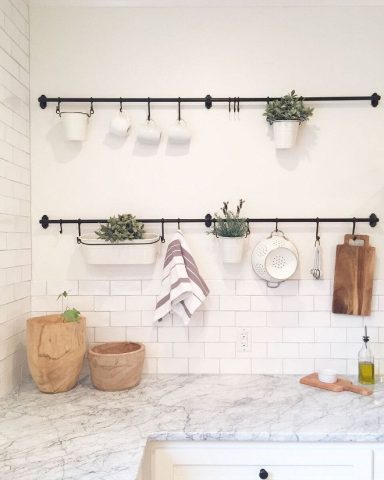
140,349
53,316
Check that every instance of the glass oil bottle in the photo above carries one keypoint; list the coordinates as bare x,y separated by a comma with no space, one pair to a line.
366,363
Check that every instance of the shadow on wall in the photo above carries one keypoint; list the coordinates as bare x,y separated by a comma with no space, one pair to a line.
289,158
64,150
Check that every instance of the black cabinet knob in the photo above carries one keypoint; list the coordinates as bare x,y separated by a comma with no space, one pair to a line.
263,474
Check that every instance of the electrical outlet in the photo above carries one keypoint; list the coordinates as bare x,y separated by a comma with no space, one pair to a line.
244,340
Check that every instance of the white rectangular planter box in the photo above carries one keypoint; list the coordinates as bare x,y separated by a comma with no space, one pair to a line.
134,252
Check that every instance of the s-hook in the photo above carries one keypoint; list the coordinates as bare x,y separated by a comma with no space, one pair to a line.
149,109
121,105
178,223
317,231
61,226
91,110
316,270
58,107
353,228
162,231
179,109
248,229
276,225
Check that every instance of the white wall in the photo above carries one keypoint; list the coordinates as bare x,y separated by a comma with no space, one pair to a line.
336,170
15,236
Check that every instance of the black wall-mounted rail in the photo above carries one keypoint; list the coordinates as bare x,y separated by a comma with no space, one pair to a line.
208,100
208,220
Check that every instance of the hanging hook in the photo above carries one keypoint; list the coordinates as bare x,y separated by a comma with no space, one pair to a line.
79,226
149,109
238,104
58,107
179,109
91,110
248,229
229,104
121,105
178,223
162,231
276,225
317,241
61,226
353,228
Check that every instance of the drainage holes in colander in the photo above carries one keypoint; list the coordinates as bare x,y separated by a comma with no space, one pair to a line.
279,262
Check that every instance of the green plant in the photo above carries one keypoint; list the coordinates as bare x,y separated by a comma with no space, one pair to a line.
120,228
230,224
69,314
289,107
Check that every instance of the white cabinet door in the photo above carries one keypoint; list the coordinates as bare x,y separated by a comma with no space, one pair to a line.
237,461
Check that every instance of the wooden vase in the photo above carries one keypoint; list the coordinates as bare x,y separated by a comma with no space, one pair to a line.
56,352
116,365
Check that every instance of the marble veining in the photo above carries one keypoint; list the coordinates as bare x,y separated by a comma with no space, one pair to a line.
87,434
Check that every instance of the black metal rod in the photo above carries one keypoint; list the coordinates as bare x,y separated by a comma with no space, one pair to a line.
374,98
208,220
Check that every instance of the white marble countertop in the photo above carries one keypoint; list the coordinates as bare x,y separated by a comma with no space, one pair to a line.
86,434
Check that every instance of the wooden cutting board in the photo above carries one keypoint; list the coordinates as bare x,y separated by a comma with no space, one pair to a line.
340,385
354,268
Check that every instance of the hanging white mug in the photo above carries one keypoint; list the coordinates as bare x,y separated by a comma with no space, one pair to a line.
149,133
120,125
179,133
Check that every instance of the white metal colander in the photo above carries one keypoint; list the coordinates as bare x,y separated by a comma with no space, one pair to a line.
275,259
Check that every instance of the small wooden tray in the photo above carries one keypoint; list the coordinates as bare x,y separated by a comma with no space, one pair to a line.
339,386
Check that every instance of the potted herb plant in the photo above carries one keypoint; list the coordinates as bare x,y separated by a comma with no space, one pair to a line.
56,346
121,241
231,229
286,114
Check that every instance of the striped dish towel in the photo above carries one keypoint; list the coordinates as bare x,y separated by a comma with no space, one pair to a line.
182,288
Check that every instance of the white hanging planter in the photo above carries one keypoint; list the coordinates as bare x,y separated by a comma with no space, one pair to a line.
232,249
131,252
285,133
75,125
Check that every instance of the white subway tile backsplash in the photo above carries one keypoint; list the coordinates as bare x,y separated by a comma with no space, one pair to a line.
141,303
267,334
141,334
126,319
56,287
314,319
81,302
298,303
110,303
322,303
298,366
97,319
339,320
110,334
356,334
330,335
188,350
173,334
220,350
267,366
204,365
219,319
94,287
204,334
345,350
290,287
236,366
251,319
158,350
298,335
127,287
265,303
172,365
251,287
314,350
283,350
282,319
212,302
235,303
315,287
222,287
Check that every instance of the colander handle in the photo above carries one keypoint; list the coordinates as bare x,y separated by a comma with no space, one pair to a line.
277,233
272,284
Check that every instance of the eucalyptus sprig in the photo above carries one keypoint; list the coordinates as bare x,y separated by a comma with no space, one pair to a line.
289,107
230,224
70,314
